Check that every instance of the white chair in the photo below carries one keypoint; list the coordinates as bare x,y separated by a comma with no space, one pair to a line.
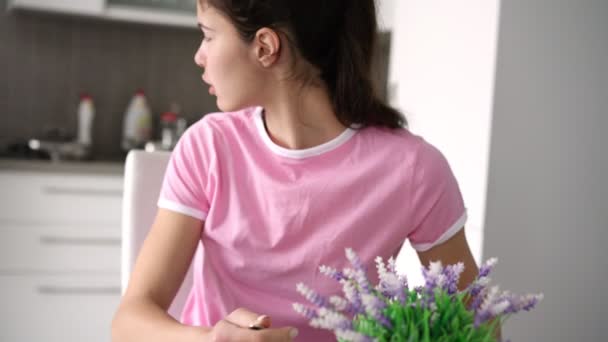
144,173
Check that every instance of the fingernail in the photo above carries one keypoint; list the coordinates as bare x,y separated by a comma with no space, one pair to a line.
293,333
261,318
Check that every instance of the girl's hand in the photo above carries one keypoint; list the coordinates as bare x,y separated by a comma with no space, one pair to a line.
241,326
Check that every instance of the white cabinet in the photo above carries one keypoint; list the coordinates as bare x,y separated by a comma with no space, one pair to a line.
59,255
83,7
57,308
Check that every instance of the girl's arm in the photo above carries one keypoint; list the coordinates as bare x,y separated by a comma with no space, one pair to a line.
160,268
451,252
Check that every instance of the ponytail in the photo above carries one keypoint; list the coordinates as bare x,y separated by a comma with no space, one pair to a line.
349,79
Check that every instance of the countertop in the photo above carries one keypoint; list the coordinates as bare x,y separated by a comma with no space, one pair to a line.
111,168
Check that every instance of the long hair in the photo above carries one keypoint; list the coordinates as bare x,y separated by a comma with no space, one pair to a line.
338,37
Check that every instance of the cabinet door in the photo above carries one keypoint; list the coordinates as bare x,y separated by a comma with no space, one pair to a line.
53,248
39,198
57,308
86,7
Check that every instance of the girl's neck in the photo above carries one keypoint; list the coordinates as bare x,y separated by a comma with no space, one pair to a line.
300,118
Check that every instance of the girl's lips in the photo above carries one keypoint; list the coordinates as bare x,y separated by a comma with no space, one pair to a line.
211,88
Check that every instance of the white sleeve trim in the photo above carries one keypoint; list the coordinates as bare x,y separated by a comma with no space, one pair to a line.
455,228
182,209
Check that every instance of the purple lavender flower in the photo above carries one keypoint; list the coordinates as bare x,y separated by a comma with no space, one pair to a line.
452,275
312,296
305,311
361,300
487,267
331,320
434,278
374,306
478,287
351,335
390,284
359,271
352,295
332,273
496,304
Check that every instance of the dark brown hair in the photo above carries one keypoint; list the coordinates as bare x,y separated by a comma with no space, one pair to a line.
338,37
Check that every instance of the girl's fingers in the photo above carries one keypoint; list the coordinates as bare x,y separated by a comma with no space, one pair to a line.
248,319
228,331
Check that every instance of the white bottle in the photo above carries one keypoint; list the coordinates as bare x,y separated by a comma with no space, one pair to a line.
86,113
137,127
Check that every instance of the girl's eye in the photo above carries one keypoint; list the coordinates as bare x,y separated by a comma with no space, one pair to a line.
205,38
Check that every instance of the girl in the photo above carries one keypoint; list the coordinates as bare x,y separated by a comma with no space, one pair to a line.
303,162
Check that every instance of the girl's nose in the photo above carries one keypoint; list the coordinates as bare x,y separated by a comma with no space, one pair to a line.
200,58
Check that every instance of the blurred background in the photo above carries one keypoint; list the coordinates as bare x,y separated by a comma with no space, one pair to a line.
514,93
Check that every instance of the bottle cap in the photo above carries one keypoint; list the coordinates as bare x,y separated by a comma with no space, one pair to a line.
168,117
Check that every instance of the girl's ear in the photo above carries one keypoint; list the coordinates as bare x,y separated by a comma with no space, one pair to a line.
267,45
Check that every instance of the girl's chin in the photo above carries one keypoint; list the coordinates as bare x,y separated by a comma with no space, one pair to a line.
229,107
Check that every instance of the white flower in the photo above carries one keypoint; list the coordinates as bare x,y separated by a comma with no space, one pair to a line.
350,255
435,268
491,262
371,304
380,266
299,308
490,298
392,265
352,336
483,281
458,268
350,292
389,282
304,291
329,319
338,302
499,308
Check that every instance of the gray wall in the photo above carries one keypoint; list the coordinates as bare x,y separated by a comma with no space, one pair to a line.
47,60
547,203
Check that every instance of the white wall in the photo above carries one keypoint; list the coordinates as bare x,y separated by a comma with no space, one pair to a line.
385,13
442,74
547,203
543,118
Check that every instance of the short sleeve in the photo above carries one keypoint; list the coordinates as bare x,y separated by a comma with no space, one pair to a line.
438,211
186,177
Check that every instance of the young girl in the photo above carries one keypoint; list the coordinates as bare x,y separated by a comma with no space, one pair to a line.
303,162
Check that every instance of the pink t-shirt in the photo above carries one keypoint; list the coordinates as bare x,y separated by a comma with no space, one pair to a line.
274,215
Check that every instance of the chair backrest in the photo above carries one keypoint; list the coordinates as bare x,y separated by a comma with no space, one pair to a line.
144,172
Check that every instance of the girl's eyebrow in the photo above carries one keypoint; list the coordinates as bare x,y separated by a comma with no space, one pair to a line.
201,26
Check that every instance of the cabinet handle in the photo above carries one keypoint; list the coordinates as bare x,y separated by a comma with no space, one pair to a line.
55,190
78,290
93,241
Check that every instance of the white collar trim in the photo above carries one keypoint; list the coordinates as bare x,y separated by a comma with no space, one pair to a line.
303,153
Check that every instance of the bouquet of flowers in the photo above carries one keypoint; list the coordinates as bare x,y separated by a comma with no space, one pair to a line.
391,311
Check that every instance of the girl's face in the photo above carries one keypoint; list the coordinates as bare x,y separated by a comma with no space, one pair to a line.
230,67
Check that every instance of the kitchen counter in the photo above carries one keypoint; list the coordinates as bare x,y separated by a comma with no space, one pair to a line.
112,168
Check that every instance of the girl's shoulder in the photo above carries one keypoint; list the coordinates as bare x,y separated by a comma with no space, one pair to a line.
223,120
400,141
219,125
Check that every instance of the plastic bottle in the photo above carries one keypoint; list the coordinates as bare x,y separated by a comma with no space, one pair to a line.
86,114
168,133
137,127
